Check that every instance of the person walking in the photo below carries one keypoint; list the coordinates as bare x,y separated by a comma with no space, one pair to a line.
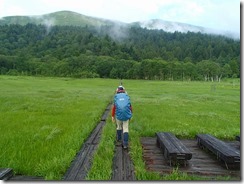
122,114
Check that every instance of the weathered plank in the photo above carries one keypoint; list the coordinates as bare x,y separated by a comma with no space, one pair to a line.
123,168
95,135
6,173
173,148
238,137
81,165
26,178
118,174
106,112
201,163
223,151
128,167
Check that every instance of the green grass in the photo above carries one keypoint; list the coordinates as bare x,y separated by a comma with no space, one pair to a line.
103,158
57,18
46,120
184,108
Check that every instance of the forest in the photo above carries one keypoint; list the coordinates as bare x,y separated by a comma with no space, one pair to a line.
116,52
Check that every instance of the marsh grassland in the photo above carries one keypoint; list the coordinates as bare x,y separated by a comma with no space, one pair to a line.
44,121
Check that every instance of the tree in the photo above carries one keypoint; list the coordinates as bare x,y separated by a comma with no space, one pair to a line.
140,53
234,68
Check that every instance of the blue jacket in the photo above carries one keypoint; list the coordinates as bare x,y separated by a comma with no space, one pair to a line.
122,106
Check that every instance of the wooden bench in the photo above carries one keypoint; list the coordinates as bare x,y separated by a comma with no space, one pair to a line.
222,150
173,149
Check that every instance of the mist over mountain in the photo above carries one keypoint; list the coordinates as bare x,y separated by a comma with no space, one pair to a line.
169,26
65,18
75,19
68,44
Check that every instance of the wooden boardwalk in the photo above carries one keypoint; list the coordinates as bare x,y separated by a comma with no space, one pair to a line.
123,168
81,164
202,162
6,173
83,161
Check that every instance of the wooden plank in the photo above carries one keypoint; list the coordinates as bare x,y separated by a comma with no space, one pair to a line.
165,144
6,173
182,149
223,151
80,166
201,162
220,148
85,167
106,112
118,164
76,164
173,148
123,168
217,144
26,178
95,135
238,137
128,167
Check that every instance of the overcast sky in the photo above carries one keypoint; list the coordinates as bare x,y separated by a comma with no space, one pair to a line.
217,14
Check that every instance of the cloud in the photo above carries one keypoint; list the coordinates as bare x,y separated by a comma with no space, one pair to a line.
209,13
13,10
223,14
123,10
47,22
2,2
24,7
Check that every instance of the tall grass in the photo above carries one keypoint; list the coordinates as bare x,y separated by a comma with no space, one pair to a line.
103,159
183,108
186,108
44,121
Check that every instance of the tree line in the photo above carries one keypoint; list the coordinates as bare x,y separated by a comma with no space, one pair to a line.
122,52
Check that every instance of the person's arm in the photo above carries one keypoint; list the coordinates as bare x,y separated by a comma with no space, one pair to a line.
113,113
131,108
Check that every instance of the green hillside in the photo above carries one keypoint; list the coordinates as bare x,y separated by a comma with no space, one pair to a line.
67,18
69,44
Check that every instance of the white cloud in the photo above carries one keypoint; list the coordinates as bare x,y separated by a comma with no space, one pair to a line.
209,13
1,8
15,10
224,14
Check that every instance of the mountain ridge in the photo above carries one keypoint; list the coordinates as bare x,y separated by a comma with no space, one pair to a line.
70,18
170,26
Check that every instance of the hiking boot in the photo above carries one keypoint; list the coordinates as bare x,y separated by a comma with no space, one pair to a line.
125,140
125,147
119,135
